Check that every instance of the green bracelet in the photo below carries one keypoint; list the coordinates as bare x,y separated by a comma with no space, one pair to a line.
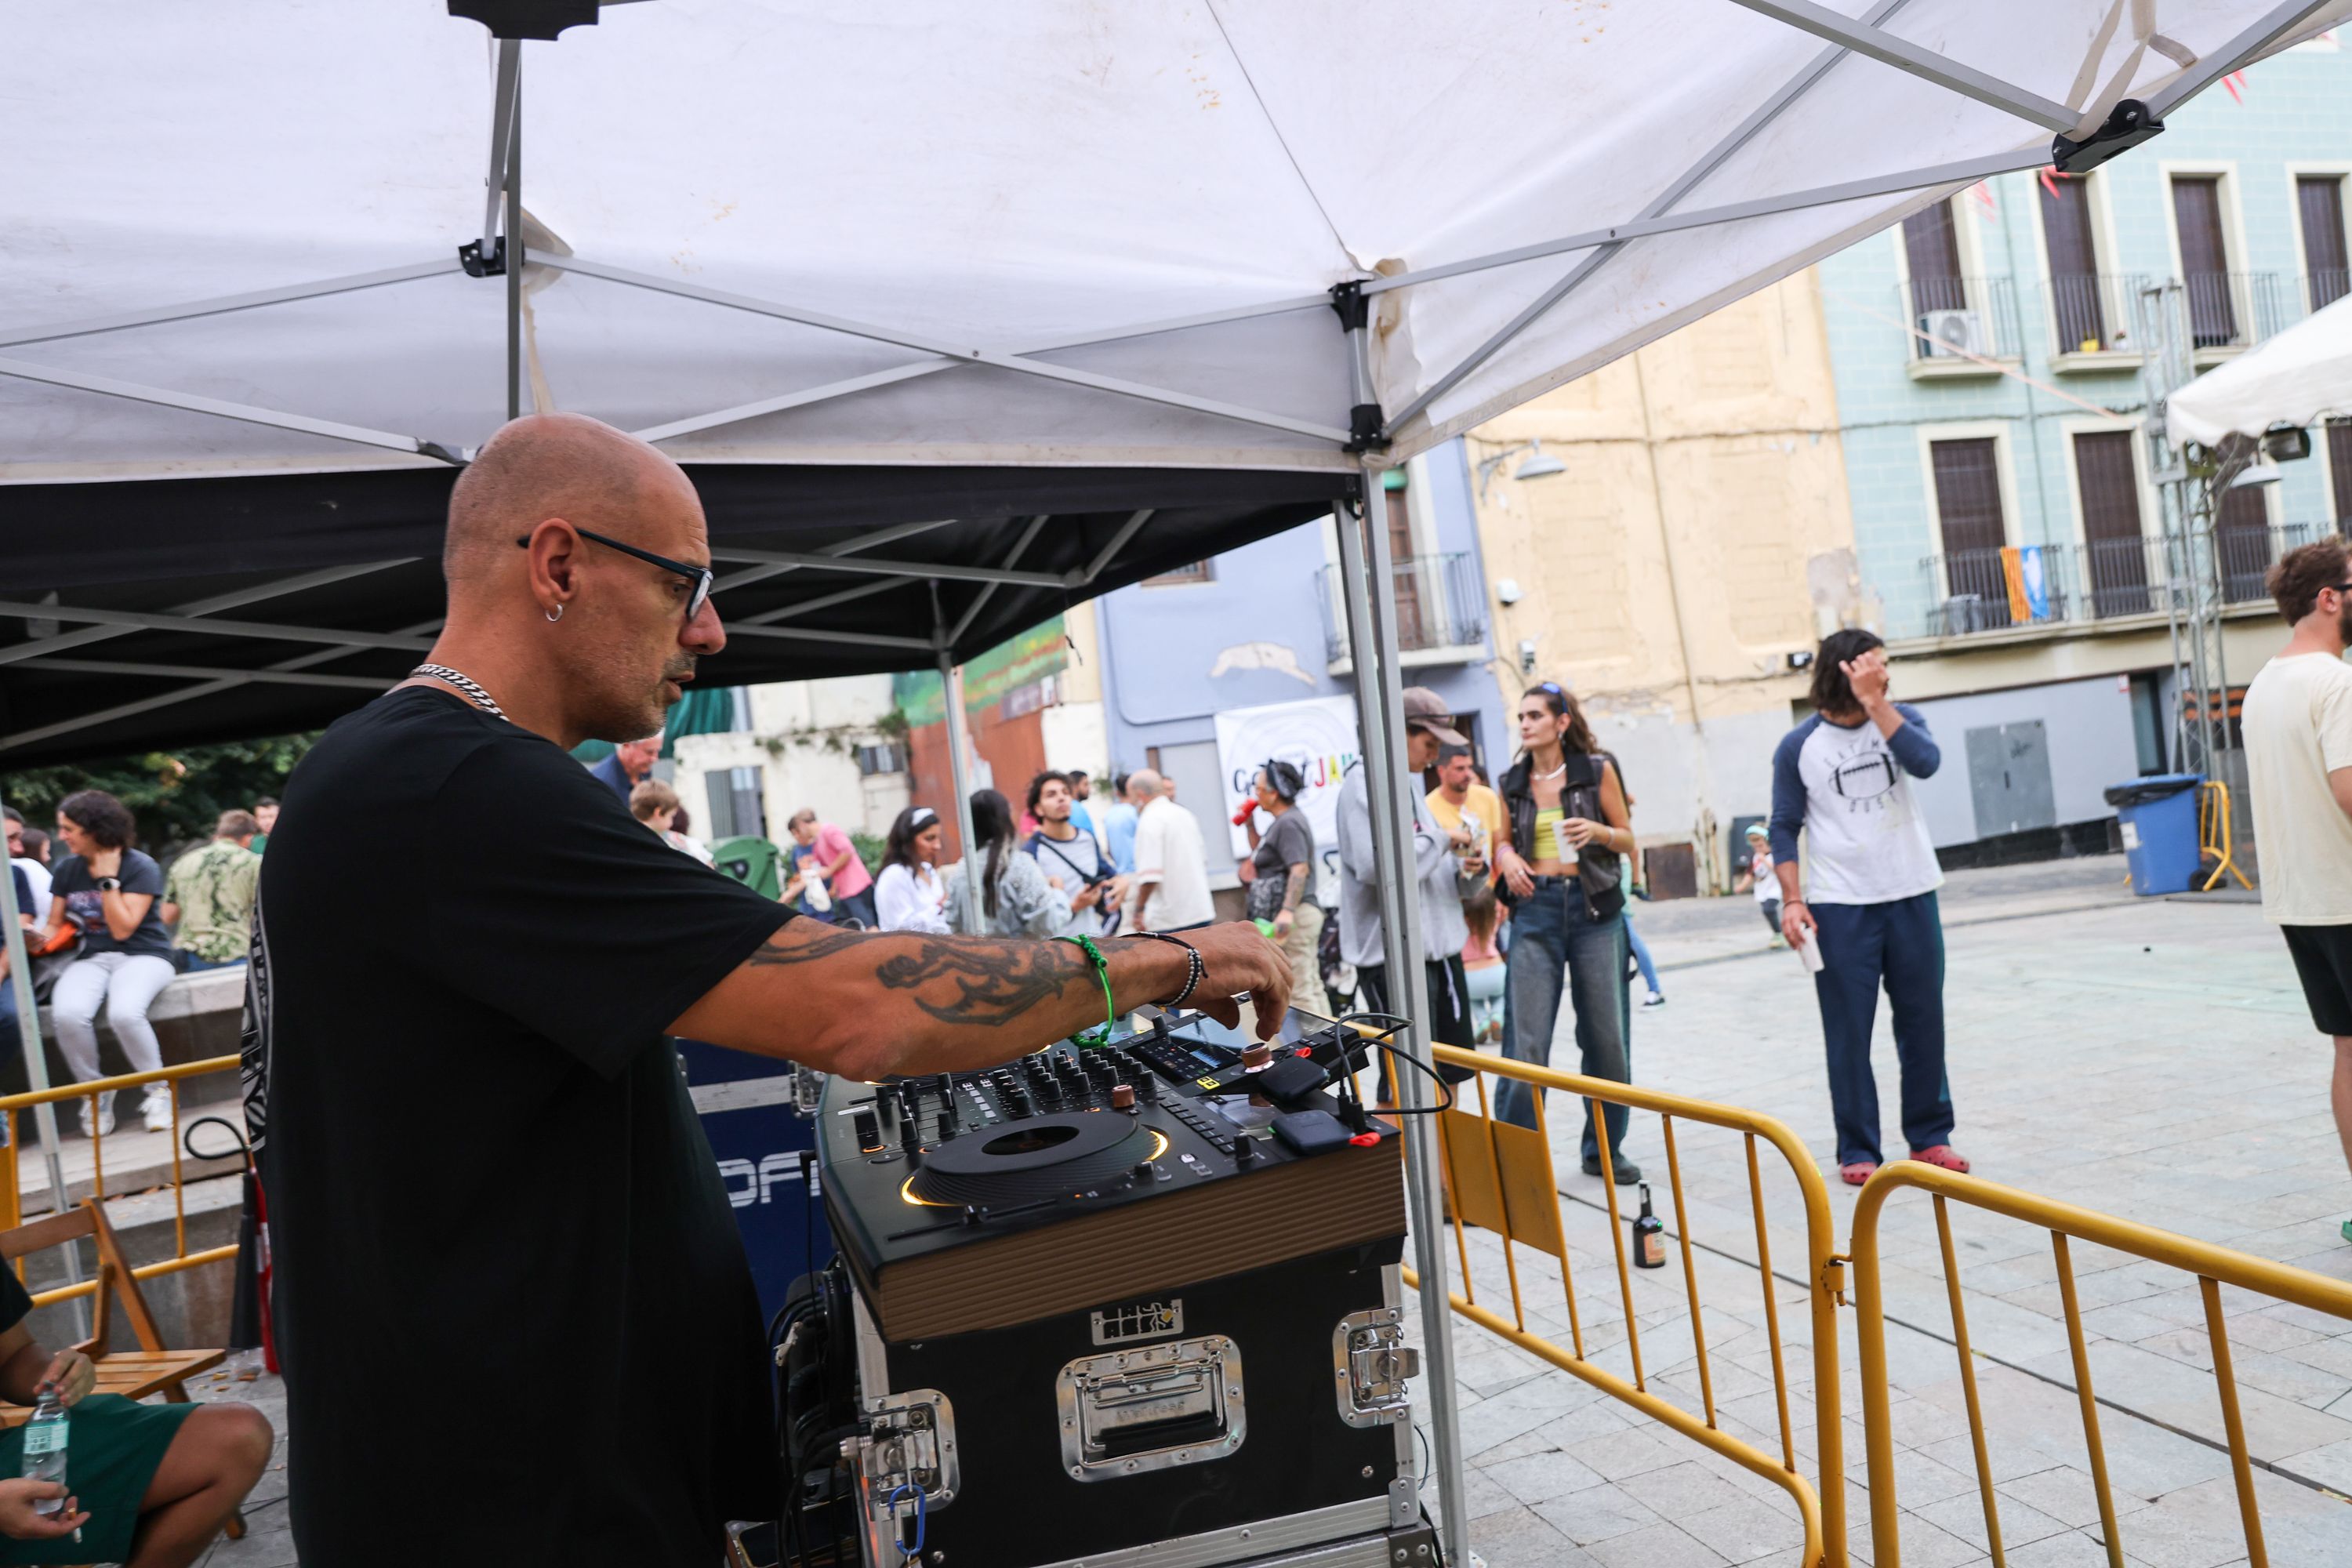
1088,1039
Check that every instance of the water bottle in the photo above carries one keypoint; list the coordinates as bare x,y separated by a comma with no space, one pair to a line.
44,1447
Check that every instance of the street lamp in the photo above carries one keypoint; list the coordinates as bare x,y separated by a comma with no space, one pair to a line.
1540,464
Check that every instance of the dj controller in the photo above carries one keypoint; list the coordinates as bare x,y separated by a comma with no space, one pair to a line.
1138,1303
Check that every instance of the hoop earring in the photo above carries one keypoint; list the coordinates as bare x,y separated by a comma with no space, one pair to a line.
557,614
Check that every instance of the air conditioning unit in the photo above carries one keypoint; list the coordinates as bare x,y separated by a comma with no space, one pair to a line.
1956,333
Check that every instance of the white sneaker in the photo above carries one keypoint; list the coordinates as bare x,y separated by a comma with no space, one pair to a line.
157,1107
105,1117
1655,999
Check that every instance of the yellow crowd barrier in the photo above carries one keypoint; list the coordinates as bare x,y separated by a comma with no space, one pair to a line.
1500,1178
2213,1266
12,1197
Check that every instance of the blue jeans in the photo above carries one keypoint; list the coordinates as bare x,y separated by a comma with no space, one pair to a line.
1641,952
1559,946
1898,946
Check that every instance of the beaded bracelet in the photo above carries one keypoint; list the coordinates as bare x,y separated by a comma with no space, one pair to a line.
1198,969
1086,1039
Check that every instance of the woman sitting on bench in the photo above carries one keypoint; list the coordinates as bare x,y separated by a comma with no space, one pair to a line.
149,1485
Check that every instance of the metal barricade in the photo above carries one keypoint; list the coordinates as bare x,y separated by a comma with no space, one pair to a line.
1499,1177
12,1197
2213,1266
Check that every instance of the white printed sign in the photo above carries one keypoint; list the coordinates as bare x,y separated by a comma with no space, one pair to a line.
1317,735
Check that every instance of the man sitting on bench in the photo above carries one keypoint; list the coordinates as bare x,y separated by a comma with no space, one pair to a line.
149,1485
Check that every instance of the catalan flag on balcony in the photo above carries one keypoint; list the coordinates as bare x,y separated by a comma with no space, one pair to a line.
2029,584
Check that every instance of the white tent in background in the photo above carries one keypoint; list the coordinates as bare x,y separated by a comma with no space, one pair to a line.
2297,378
1083,278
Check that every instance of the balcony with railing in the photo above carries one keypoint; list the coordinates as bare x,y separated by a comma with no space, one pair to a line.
1440,611
2094,317
1956,323
2071,587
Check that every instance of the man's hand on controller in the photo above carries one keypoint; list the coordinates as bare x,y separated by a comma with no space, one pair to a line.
1237,960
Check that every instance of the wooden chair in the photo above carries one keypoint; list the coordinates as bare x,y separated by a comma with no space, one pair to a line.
153,1368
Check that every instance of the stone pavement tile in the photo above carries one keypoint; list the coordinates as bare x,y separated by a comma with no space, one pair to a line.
1518,1539
2006,1460
2182,1396
1596,1514
1743,1531
1659,1546
1925,1543
1679,1490
2073,1548
1920,1478
1964,1516
1597,1419
1539,1477
260,1548
2330,1467
2200,1527
1489,1422
1484,1495
1620,1455
2067,1495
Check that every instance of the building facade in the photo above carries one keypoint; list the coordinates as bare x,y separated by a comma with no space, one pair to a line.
1992,397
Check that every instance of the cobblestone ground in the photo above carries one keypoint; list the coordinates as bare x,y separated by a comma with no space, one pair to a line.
2150,1058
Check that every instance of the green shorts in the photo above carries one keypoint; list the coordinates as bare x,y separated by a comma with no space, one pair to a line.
112,1447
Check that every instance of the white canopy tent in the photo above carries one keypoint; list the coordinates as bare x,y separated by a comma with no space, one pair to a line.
2297,378
256,299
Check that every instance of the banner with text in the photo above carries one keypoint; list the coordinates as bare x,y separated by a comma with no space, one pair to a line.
1317,735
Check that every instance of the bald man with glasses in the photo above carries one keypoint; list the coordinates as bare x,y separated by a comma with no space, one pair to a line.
539,1276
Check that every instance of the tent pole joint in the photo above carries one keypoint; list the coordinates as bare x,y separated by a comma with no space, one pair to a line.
2130,123
479,263
1367,421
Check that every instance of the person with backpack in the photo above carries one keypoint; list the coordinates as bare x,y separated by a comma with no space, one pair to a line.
1072,859
1282,889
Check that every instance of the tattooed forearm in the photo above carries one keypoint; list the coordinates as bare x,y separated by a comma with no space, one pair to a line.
981,981
995,981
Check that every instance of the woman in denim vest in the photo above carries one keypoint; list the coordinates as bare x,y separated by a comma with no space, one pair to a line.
1560,876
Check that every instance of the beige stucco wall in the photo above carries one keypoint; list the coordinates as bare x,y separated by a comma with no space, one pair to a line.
1700,533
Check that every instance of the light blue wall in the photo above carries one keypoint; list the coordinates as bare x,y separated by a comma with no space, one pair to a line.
1160,645
2297,108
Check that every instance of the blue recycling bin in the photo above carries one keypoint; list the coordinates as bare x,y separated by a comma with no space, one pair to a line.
2158,815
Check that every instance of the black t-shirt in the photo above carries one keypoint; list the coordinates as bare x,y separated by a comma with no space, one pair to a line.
72,882
507,1277
15,1306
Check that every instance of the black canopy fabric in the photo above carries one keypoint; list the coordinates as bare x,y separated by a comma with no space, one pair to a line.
272,557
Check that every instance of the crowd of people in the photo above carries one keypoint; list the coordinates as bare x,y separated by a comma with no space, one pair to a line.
107,928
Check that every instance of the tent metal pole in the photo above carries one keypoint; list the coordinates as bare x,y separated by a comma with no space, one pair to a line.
1366,585
514,258
1013,558
996,358
37,1068
1960,172
1127,530
189,694
819,634
867,566
871,540
10,337
2233,54
822,602
46,647
501,125
1966,172
264,631
208,672
1716,156
135,392
1927,64
959,763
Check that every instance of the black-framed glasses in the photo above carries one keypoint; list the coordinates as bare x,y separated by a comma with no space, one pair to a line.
700,576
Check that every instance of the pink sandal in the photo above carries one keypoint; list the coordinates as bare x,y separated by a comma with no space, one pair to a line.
1858,1173
1942,1155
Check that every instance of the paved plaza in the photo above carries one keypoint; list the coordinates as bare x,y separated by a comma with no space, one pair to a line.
2150,1058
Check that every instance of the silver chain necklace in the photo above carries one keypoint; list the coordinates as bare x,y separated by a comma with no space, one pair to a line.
466,684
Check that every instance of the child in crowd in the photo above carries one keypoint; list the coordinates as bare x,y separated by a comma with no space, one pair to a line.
1759,877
